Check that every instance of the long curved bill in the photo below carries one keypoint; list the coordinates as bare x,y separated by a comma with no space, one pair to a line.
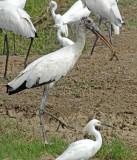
103,39
90,25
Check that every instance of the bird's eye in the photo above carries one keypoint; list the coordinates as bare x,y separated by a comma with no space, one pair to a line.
89,21
99,122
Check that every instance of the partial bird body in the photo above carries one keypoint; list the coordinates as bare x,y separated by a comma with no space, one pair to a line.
105,8
116,29
75,13
16,20
82,150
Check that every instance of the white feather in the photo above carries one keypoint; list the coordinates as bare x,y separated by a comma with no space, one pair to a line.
16,20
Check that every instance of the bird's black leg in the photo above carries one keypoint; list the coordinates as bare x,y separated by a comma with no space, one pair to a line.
6,65
14,53
25,62
4,45
96,39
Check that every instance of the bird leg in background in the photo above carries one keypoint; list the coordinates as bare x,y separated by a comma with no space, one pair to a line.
107,43
14,53
42,111
25,62
108,28
95,40
7,57
109,31
4,45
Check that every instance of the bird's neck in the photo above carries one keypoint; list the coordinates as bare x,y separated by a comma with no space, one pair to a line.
53,10
59,36
97,136
80,38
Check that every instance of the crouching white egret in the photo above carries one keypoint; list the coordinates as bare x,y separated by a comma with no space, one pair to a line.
85,148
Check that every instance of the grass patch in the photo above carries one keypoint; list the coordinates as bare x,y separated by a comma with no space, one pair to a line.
15,143
126,3
17,146
116,150
132,22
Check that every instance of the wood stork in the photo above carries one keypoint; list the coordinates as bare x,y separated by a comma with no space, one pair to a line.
52,67
107,9
85,148
18,21
19,4
75,13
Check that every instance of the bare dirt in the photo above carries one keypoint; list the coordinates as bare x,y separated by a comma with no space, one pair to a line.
95,88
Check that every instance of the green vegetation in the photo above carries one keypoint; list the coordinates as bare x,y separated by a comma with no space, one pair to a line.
15,143
132,22
116,150
125,3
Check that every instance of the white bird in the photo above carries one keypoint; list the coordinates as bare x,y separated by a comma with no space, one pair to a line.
64,41
19,4
85,148
17,21
75,13
107,9
52,67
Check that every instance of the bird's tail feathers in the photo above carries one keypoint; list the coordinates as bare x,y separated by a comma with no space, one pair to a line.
18,84
11,90
116,29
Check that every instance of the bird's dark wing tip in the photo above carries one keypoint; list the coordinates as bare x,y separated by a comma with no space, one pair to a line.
36,35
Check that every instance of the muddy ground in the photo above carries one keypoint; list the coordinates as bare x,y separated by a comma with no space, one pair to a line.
95,88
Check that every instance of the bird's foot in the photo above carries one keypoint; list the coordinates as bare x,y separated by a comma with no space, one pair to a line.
25,65
4,78
63,124
113,55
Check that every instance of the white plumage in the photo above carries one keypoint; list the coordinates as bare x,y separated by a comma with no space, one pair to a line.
86,148
76,12
51,67
16,20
